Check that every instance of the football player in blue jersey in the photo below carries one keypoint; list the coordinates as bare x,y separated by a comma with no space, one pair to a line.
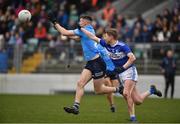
123,59
95,67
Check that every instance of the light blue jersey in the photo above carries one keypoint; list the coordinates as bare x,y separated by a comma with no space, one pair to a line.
104,55
88,45
91,48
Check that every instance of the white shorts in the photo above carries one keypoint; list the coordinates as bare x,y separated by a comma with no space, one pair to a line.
129,74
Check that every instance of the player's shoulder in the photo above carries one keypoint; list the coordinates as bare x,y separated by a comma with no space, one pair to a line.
121,43
89,27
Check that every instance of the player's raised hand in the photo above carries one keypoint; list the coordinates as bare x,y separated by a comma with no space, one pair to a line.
51,17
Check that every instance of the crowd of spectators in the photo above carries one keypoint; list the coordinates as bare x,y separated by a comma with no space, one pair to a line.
166,27
39,30
67,12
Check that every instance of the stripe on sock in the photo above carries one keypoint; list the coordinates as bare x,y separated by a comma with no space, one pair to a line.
76,105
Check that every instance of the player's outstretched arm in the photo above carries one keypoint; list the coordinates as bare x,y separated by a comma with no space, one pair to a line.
91,35
58,27
76,38
63,31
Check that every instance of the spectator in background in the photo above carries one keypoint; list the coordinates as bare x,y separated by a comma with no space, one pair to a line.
21,32
167,15
139,19
108,11
137,33
137,36
29,32
19,40
3,56
94,3
40,32
11,43
60,47
146,35
73,16
175,36
157,28
85,5
149,24
168,68
12,38
63,18
51,51
2,42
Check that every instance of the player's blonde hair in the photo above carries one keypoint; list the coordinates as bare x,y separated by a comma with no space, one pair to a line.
112,32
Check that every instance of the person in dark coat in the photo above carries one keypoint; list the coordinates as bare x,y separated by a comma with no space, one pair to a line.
168,68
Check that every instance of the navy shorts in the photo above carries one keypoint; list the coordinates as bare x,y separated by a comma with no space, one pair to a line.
112,77
97,68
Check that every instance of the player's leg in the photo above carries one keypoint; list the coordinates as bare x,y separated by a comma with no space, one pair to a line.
84,79
110,96
139,98
101,88
98,69
128,79
114,83
128,88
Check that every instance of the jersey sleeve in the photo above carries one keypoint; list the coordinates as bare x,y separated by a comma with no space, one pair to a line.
102,42
126,49
77,32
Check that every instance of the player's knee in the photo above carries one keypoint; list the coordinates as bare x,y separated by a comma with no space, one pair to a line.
126,94
80,84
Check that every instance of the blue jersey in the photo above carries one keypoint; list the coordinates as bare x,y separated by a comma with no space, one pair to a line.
88,45
118,52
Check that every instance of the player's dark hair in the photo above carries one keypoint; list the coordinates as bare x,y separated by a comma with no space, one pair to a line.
86,17
112,32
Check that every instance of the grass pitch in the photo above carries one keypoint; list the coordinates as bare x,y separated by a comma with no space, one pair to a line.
94,109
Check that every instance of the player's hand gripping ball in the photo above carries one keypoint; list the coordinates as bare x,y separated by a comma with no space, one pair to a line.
24,16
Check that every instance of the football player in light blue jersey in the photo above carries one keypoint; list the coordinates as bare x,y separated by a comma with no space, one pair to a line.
123,59
95,67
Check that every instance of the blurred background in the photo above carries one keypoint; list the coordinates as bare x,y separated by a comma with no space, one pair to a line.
150,27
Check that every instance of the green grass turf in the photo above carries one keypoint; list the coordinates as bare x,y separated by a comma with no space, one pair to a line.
94,108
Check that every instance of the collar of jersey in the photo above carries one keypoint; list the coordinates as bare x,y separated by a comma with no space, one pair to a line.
114,44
